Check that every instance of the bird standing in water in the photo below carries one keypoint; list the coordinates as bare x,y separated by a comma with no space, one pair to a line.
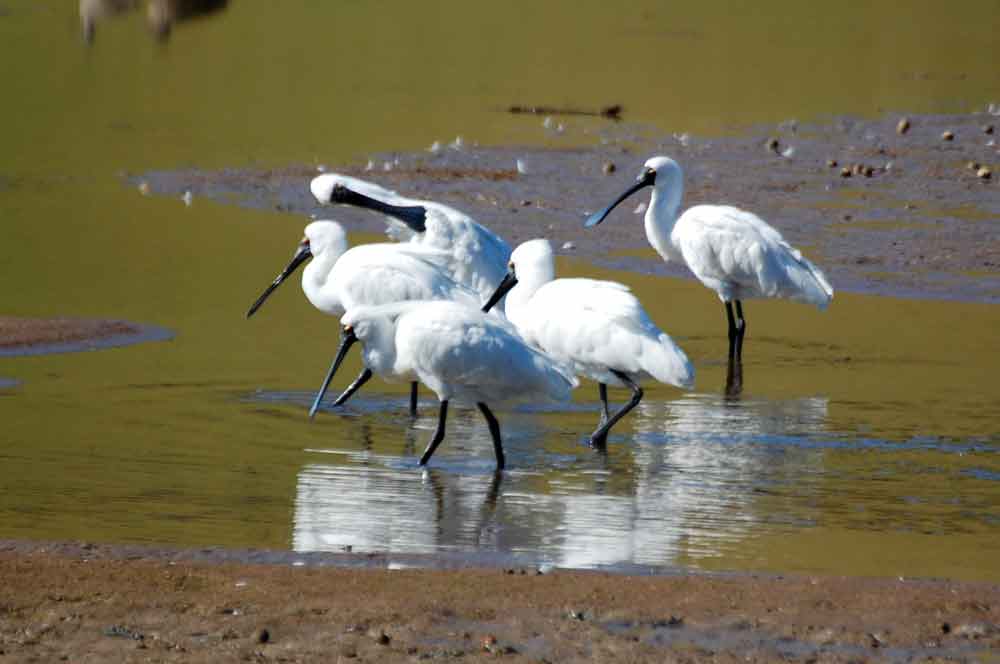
459,352
732,251
338,278
596,327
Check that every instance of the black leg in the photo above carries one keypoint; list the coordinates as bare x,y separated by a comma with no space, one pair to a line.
732,329
602,391
741,328
734,377
494,432
362,378
438,434
413,399
599,437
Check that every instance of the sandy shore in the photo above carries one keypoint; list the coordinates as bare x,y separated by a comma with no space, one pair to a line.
89,603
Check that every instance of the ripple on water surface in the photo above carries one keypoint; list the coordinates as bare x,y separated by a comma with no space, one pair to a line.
701,480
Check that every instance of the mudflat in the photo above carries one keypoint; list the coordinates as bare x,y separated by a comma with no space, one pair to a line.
83,602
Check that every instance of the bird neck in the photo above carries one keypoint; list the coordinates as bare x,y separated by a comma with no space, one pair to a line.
662,214
379,353
314,278
528,282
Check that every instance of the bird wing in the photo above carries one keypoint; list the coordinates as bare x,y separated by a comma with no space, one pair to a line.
480,255
593,325
382,274
725,246
462,353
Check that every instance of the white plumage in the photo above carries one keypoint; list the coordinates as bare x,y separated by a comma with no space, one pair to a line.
478,256
338,278
732,251
460,353
598,328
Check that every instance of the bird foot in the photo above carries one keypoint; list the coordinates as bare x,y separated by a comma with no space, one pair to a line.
600,441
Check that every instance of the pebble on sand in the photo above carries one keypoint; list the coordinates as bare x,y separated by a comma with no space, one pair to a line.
988,129
831,163
608,168
903,126
261,636
947,136
984,173
845,172
772,144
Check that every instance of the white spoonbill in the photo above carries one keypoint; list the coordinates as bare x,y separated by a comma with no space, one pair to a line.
732,251
459,352
479,256
596,327
338,279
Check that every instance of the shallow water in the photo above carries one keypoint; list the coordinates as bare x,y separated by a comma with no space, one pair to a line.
866,440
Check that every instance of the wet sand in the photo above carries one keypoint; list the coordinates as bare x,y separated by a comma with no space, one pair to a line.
39,336
87,603
881,212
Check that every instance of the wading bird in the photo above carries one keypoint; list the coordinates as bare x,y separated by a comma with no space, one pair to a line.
733,252
459,352
479,256
338,279
598,328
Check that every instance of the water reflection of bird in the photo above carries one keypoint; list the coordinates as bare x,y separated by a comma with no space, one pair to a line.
597,327
480,256
731,251
696,469
459,352
373,509
338,278
161,15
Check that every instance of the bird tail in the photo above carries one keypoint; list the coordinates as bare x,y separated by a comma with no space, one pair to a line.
811,285
666,362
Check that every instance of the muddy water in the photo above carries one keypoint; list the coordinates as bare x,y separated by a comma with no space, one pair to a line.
865,441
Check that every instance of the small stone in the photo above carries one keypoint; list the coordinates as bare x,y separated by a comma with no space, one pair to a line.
988,129
868,171
608,168
261,636
984,173
845,172
489,643
945,628
947,136
348,650
772,144
972,166
831,163
903,126
382,638
972,630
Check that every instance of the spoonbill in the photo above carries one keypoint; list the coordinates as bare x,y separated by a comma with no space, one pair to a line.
734,252
479,256
338,279
459,352
596,327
